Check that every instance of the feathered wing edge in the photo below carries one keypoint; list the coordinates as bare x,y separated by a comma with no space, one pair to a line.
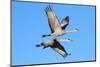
59,48
65,22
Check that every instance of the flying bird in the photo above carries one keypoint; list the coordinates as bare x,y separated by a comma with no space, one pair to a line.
57,28
56,46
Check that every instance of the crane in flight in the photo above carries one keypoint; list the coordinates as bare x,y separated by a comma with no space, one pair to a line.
57,28
56,46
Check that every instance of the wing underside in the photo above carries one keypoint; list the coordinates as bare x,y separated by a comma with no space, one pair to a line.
52,19
59,48
65,22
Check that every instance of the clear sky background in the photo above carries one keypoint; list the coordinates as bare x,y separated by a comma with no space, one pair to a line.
29,22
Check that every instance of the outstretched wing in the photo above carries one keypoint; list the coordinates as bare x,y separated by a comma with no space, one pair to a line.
52,19
59,48
65,22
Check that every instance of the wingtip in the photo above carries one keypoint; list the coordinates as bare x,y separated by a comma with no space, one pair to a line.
66,55
49,8
67,18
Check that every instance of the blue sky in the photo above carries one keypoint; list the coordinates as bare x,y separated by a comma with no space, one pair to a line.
29,22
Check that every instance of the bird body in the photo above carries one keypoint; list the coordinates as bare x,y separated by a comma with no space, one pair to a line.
58,33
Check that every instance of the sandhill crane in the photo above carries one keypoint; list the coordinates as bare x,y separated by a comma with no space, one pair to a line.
55,45
57,29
